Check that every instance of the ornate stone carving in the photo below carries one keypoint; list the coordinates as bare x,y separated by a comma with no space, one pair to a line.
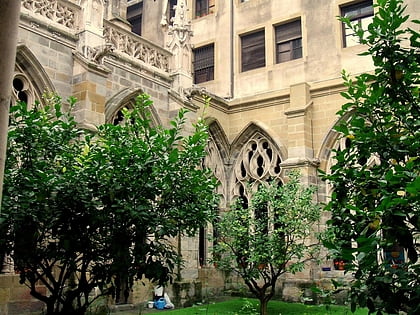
96,54
52,9
132,46
164,21
258,162
181,27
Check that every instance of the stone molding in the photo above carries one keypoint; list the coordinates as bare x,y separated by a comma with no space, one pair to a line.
298,112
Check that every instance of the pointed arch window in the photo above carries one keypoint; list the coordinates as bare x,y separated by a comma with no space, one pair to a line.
258,162
214,162
22,90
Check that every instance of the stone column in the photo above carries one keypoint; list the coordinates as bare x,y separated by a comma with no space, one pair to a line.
301,156
152,17
180,45
9,22
89,75
299,126
116,12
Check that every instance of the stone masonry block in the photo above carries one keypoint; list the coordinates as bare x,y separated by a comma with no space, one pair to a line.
4,295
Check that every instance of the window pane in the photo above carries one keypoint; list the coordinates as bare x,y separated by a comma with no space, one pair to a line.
359,13
253,51
203,64
134,16
288,41
297,48
203,7
288,31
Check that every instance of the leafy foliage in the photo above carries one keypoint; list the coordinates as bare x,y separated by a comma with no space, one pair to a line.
375,200
269,238
99,210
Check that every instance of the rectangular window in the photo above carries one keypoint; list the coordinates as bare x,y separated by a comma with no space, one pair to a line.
134,16
359,13
253,50
203,63
288,41
203,7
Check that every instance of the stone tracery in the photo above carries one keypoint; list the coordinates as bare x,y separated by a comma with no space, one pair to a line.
214,162
128,44
53,10
258,162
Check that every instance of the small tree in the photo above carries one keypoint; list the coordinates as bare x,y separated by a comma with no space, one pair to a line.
268,238
82,211
375,200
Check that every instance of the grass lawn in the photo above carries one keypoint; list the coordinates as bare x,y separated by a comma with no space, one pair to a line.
250,307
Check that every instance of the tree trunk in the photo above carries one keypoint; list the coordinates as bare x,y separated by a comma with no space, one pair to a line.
263,306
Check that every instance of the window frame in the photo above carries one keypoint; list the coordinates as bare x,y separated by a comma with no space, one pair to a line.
250,43
293,41
205,65
359,17
208,7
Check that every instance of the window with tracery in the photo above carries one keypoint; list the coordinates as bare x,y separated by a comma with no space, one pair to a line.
344,143
214,162
22,89
258,162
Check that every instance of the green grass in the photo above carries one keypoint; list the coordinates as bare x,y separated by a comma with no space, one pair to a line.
250,307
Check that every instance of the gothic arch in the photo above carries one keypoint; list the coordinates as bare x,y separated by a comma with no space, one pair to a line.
219,136
329,143
256,159
335,141
126,98
217,155
31,75
250,129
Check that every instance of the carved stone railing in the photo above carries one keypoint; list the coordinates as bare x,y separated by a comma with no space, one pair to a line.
133,46
58,11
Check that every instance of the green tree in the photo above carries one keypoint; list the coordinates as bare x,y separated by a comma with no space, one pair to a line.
271,236
375,201
83,210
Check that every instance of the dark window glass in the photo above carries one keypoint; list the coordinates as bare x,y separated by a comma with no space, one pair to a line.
203,63
288,41
359,13
253,50
203,7
134,16
172,4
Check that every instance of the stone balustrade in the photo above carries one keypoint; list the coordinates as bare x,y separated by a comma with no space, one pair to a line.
61,12
131,45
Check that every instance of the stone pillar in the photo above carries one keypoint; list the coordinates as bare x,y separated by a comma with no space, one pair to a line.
89,87
89,75
116,12
92,25
301,156
151,28
180,35
9,22
299,127
119,8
